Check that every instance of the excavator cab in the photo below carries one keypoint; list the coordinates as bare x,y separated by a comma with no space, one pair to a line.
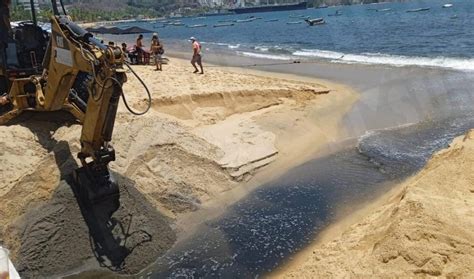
24,51
27,50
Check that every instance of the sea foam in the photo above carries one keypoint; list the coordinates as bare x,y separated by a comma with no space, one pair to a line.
392,60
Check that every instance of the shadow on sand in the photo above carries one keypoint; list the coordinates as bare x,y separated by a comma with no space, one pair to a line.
123,240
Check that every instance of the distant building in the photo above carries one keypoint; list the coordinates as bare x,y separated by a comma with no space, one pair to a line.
26,4
211,3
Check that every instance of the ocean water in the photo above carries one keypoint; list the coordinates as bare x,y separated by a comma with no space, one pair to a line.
440,37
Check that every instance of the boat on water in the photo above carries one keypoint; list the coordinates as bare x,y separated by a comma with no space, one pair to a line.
271,20
337,13
217,13
177,23
196,26
384,10
447,5
315,21
223,25
245,20
418,10
298,16
270,8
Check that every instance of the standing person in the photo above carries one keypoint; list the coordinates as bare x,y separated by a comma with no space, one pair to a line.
157,49
5,34
5,28
196,55
125,52
139,48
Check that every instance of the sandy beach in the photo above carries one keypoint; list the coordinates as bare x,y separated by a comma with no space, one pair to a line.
205,135
421,228
319,143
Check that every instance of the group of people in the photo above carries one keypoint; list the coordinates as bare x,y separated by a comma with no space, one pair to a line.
139,54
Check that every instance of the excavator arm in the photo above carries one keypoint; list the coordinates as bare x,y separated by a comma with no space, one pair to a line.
84,77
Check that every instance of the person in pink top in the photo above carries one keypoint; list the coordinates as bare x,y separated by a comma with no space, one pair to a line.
196,55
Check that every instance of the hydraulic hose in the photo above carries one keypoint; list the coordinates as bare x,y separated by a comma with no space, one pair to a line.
147,92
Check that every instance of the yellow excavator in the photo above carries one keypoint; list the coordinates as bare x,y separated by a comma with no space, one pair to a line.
67,69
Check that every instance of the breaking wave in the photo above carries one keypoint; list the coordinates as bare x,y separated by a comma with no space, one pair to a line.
264,56
392,60
364,58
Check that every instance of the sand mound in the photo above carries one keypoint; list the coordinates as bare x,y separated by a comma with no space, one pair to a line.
212,107
222,108
41,221
425,230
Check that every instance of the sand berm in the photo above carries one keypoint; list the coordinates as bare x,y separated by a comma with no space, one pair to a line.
423,229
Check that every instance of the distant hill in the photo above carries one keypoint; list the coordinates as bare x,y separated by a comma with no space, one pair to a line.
93,10
317,3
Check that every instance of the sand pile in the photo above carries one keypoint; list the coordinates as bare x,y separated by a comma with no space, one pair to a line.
203,135
223,108
424,230
41,222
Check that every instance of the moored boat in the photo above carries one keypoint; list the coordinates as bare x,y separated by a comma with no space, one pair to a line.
337,13
418,10
196,26
244,20
315,21
222,25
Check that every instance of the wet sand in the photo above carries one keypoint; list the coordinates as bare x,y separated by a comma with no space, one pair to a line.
389,96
